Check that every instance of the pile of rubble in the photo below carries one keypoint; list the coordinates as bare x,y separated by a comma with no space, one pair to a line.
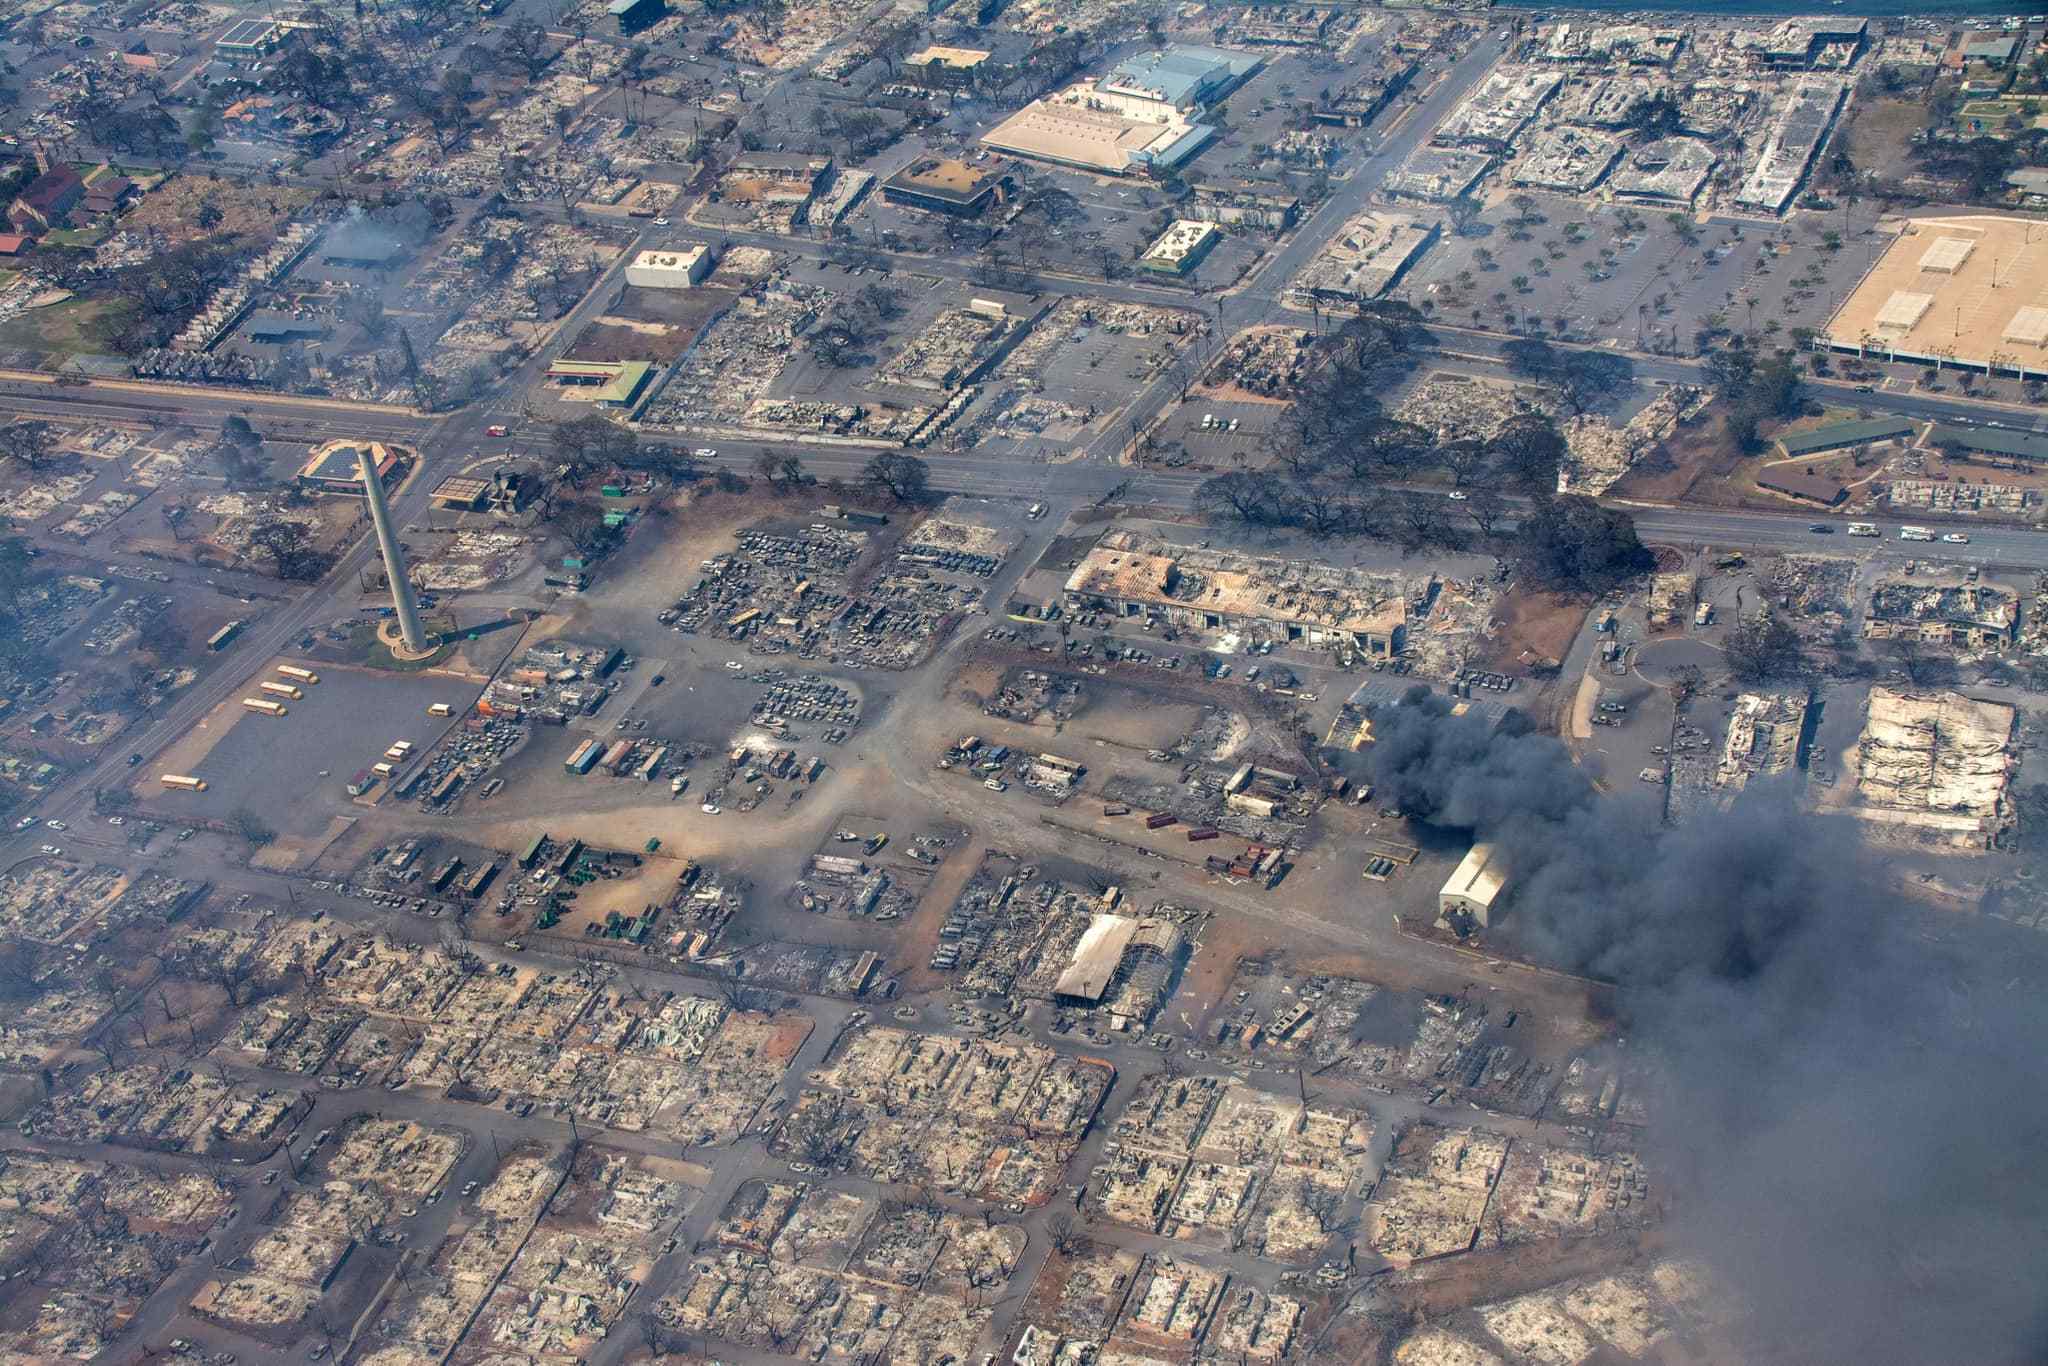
798,593
1931,495
1601,453
739,356
1460,408
1266,362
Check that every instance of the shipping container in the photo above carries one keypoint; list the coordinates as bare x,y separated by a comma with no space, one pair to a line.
1160,821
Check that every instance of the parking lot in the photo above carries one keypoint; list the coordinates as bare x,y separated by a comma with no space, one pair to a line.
290,771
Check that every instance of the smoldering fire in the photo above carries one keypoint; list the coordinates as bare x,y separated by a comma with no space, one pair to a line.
1852,1107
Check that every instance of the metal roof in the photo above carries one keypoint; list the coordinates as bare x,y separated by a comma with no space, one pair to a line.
1997,440
1838,434
1096,957
1479,878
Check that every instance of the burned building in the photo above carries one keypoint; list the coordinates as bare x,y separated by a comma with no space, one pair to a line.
1934,766
1763,738
1954,612
1131,960
1359,103
1192,589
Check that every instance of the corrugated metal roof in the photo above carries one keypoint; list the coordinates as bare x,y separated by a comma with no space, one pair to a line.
1096,957
1998,440
1839,434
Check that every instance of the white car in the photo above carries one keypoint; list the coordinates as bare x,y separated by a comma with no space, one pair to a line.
1455,496
52,849
734,665
705,453
661,222
56,825
711,808
1956,538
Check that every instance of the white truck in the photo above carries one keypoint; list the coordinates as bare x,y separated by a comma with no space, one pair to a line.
1915,533
1862,528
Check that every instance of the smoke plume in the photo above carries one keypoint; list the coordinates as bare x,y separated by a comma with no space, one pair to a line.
1856,1109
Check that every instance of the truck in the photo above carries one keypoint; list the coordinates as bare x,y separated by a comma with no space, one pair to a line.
1862,528
440,709
267,708
298,675
1915,533
183,782
280,689
220,639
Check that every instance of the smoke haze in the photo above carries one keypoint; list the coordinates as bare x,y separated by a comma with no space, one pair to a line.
1855,1118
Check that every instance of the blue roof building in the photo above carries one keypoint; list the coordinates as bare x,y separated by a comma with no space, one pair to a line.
1183,77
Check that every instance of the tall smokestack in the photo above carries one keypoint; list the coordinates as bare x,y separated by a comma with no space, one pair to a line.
394,563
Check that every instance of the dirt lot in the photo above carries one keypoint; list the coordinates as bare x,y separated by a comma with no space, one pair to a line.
1883,131
1695,453
649,326
1536,629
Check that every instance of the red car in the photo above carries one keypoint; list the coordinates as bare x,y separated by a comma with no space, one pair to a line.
497,431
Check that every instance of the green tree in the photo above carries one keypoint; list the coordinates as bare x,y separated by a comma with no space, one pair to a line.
907,478
29,442
1574,545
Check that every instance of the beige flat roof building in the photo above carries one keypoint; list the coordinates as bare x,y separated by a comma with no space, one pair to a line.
1071,134
1969,290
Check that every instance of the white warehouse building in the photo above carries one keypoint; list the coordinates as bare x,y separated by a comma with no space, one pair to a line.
1474,886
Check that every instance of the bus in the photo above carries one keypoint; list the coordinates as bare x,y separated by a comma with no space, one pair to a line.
219,640
183,782
280,689
294,672
258,704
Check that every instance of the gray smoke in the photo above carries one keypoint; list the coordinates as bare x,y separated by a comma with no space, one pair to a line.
1857,1111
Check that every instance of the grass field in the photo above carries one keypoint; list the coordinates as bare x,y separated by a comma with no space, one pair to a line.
65,328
